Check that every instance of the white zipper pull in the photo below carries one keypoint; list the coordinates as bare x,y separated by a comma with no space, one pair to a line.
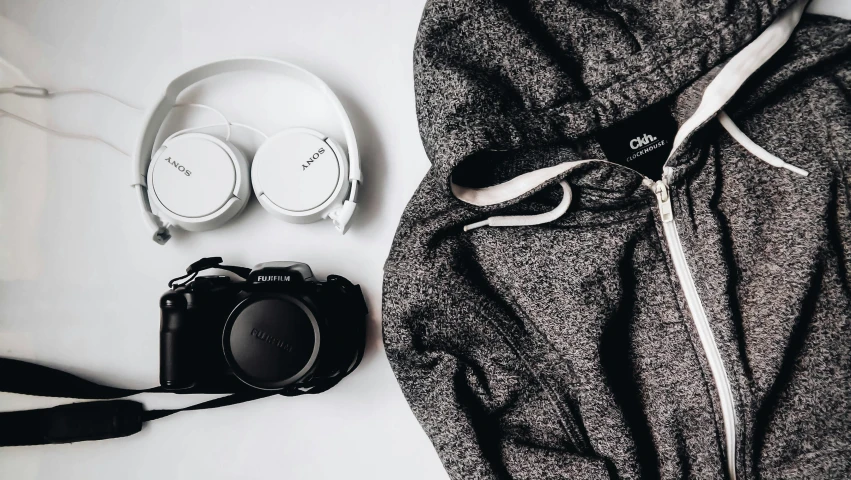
661,191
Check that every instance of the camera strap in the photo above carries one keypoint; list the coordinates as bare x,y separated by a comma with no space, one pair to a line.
75,422
109,416
206,263
106,417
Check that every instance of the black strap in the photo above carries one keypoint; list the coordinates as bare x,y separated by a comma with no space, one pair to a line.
26,378
110,418
99,420
231,399
216,262
206,263
76,422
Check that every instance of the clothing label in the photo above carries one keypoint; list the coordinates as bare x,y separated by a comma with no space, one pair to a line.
641,142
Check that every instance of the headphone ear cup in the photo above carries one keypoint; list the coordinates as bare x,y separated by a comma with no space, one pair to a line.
300,175
198,181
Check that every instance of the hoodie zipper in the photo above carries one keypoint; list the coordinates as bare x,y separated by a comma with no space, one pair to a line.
698,314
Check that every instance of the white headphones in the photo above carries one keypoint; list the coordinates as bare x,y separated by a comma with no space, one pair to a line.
198,181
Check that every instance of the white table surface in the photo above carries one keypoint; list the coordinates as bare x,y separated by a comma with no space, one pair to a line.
80,278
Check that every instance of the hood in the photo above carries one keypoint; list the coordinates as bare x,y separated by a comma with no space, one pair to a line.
497,76
667,312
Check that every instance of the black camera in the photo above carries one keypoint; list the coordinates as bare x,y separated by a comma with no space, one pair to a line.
277,328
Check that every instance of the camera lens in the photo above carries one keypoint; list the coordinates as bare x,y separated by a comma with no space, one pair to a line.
271,341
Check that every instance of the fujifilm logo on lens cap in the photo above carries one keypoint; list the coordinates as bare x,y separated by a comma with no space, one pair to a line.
268,338
271,340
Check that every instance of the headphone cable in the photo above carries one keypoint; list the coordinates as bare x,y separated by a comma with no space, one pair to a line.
76,136
39,92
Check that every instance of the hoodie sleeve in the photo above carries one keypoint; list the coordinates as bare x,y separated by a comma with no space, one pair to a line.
477,398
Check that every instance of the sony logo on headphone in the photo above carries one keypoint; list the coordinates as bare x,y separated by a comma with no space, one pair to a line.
178,166
312,159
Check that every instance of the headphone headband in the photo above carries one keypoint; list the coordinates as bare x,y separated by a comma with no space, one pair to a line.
157,115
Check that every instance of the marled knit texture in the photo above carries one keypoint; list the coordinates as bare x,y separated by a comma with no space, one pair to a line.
567,350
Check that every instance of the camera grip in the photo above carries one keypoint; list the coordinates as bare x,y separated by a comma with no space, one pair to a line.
177,370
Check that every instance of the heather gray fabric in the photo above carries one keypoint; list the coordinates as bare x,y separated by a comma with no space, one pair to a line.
566,350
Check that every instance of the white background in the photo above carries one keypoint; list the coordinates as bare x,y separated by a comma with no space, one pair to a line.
80,278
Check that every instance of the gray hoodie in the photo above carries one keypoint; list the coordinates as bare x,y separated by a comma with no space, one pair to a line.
631,255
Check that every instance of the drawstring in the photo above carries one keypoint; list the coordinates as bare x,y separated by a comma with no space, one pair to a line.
514,188
526,220
755,149
716,95
528,181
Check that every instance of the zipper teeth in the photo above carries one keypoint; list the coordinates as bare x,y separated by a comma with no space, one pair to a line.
704,331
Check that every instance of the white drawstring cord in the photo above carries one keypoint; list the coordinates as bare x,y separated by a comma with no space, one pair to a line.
521,184
524,182
755,149
527,220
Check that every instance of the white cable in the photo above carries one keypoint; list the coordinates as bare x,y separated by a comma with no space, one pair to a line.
53,93
227,123
12,67
26,91
39,92
207,107
249,127
755,149
193,129
77,136
203,127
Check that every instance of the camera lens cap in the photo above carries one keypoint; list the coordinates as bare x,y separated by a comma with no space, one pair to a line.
271,341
